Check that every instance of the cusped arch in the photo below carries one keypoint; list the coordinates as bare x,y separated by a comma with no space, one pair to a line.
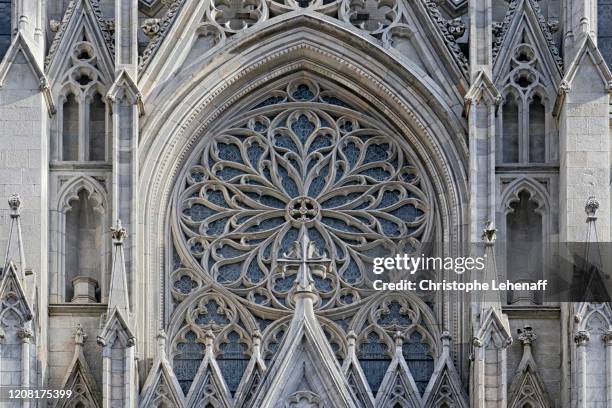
431,134
537,193
70,191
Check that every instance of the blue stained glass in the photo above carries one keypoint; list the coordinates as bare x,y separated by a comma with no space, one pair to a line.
267,224
352,154
352,273
254,272
259,299
373,360
211,315
377,173
324,285
232,361
290,237
320,142
229,152
197,247
227,251
407,212
376,153
284,284
260,127
389,228
332,100
420,363
266,200
346,126
228,173
317,238
273,100
340,225
389,198
263,323
198,212
216,197
197,176
394,316
288,184
347,299
302,127
303,92
285,141
339,200
255,152
228,273
185,284
217,227
317,184
187,361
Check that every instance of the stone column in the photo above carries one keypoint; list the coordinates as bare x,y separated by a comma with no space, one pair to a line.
607,339
581,338
580,19
25,335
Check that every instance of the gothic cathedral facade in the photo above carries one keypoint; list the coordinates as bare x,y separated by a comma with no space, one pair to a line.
196,190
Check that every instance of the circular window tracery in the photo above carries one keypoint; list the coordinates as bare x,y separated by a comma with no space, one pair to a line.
301,157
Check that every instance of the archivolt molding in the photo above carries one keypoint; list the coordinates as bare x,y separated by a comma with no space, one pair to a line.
168,154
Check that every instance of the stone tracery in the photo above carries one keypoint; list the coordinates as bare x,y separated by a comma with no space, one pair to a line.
302,157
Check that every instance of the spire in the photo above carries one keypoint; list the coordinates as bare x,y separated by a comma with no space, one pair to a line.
489,299
589,281
15,206
118,297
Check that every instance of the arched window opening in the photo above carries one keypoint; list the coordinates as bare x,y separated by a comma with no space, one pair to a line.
419,360
232,361
97,129
5,26
84,235
596,370
604,31
187,360
537,131
510,139
70,129
524,245
374,359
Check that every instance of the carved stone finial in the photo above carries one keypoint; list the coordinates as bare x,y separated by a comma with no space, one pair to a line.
15,205
526,335
161,340
489,233
456,27
209,337
54,25
118,233
564,88
591,207
553,25
151,27
607,338
25,334
80,337
398,337
446,338
582,337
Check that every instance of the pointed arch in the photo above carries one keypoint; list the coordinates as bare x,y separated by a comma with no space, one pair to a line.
81,208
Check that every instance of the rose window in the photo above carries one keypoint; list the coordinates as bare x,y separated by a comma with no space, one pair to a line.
301,159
